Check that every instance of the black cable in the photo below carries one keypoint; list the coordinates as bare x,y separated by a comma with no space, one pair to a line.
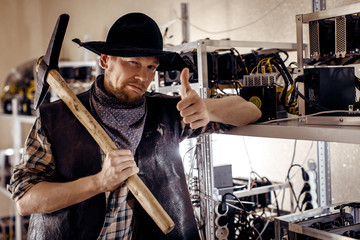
292,63
238,200
276,200
286,84
308,101
287,81
292,165
236,85
259,175
291,187
306,188
250,228
233,195
351,204
308,206
283,51
294,195
292,82
285,70
293,98
306,200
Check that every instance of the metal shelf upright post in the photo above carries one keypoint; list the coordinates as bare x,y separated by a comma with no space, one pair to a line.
17,146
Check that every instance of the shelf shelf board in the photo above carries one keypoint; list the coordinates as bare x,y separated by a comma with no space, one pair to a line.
287,46
292,129
22,118
260,190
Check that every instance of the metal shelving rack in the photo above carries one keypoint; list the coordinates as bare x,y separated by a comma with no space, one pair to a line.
314,47
205,162
17,121
343,129
302,19
293,128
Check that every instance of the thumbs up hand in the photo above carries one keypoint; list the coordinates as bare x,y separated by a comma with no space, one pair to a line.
185,84
192,108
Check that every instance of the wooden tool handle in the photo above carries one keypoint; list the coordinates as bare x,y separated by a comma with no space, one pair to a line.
134,183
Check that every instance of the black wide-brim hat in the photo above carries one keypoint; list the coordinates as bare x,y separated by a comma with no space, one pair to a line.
136,35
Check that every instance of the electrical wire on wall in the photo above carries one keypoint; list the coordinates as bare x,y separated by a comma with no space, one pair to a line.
287,177
247,154
239,27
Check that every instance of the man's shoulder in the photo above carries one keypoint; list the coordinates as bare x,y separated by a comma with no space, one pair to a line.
58,109
156,96
83,97
153,94
161,101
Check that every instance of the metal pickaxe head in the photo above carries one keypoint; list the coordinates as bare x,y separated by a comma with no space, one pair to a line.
50,60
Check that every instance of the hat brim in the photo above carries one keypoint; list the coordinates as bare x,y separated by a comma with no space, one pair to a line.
169,61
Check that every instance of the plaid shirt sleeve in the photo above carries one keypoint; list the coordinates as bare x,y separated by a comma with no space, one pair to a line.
37,163
211,127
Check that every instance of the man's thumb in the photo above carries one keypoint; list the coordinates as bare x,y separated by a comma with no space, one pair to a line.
185,84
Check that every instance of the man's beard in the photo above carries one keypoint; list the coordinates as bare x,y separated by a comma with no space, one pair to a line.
124,96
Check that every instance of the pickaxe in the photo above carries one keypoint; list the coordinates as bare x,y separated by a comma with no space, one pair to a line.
48,75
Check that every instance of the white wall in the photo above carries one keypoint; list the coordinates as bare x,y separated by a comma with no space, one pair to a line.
26,27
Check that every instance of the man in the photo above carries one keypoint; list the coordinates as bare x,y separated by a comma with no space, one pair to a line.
73,191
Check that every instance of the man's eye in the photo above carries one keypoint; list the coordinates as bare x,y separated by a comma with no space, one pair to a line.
152,67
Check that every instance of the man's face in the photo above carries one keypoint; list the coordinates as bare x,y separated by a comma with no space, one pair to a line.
127,78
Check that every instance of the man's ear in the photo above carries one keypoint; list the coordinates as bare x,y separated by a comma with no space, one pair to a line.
103,61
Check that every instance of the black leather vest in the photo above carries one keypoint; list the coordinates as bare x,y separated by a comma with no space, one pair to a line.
77,155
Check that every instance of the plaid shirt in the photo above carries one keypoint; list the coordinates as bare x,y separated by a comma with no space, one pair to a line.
38,165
